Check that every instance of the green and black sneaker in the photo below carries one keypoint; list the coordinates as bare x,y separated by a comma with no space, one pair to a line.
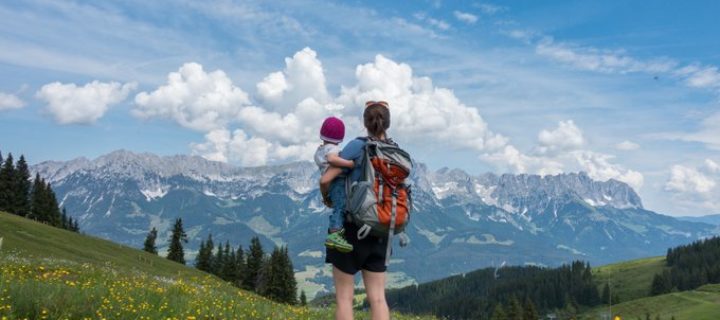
336,240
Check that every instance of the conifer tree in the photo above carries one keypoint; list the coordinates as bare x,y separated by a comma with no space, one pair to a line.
204,257
240,267
149,245
64,223
606,294
530,312
514,309
178,237
254,264
38,207
218,261
21,201
288,284
499,313
303,298
227,271
7,181
52,207
75,225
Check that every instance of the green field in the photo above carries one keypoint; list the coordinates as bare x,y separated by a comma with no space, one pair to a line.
49,273
700,304
629,280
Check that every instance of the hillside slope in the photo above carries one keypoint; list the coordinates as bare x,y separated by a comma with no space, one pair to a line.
49,273
700,304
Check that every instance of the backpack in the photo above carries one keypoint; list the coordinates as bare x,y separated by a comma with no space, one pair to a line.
379,203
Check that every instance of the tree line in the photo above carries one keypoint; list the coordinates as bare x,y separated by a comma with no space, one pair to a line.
270,276
30,198
688,267
515,293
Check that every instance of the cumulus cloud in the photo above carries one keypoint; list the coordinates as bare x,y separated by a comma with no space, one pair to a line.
194,98
421,111
284,124
71,104
561,150
627,145
436,23
701,76
465,17
695,187
10,101
567,136
685,179
302,78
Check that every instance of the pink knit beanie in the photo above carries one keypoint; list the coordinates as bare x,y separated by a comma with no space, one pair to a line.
332,130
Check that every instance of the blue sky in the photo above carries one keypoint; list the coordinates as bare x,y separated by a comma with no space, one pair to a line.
628,90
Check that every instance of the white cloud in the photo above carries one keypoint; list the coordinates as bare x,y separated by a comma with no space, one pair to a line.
599,167
239,147
701,76
70,104
593,59
627,145
490,9
10,101
712,166
567,136
561,150
302,78
421,112
437,23
465,17
194,98
685,179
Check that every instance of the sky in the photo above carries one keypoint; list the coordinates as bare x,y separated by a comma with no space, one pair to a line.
625,90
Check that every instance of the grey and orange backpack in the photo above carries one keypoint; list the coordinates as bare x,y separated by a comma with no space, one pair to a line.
379,203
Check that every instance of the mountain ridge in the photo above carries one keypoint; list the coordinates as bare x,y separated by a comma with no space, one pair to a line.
466,220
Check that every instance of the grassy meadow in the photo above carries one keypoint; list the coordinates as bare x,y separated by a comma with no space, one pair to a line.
49,273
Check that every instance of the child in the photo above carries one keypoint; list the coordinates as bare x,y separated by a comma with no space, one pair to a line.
332,133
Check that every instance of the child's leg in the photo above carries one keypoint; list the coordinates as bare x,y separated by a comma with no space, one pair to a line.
337,196
336,238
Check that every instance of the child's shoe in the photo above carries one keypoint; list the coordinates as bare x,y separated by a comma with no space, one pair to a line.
336,240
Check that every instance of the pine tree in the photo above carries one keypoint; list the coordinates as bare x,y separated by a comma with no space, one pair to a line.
288,293
303,298
606,294
21,201
38,205
149,245
255,257
52,205
227,271
7,184
514,310
218,261
240,267
270,281
499,313
178,237
530,312
64,223
75,225
204,257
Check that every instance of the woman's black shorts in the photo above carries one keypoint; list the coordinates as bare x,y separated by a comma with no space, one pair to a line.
368,254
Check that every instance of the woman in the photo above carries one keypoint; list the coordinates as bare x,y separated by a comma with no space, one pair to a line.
368,255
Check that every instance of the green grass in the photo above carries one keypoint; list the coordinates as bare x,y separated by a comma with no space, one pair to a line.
629,280
48,273
700,304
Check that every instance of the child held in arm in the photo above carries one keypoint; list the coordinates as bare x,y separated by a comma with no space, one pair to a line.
332,133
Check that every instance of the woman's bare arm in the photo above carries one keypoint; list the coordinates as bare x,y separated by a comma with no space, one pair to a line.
336,161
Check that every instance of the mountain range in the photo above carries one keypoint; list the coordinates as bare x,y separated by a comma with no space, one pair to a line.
460,222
